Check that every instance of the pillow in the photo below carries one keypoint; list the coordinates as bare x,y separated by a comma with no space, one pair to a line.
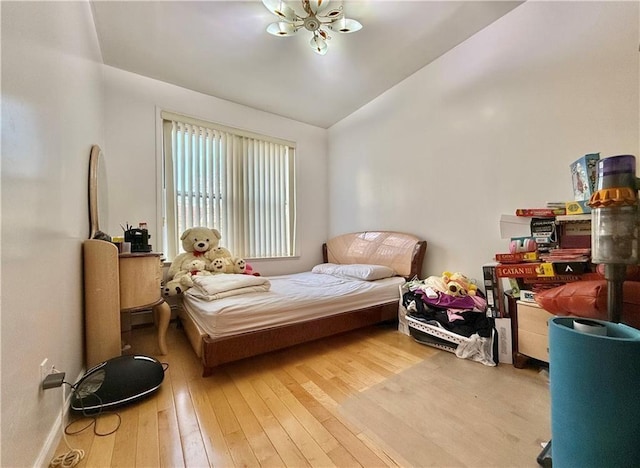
588,299
359,271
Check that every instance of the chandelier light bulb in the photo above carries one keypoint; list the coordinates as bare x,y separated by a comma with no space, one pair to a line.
318,44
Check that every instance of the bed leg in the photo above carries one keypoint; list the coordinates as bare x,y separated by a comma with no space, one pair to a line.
207,371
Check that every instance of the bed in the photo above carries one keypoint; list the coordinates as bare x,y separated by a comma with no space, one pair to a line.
304,306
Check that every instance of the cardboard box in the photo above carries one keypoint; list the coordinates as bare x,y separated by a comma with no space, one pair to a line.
517,257
524,270
583,176
505,341
570,268
493,291
578,207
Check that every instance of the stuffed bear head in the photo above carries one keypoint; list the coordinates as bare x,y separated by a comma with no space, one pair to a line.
218,252
199,240
457,284
239,265
195,267
218,265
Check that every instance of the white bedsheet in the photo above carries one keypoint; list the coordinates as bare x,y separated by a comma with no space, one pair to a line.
291,299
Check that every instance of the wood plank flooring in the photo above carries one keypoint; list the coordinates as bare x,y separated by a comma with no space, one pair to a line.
310,406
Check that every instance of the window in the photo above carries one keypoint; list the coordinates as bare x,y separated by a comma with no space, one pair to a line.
240,183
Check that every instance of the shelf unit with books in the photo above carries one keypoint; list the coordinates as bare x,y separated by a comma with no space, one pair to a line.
528,272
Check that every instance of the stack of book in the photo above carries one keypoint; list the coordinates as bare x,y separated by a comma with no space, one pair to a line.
569,261
562,235
532,272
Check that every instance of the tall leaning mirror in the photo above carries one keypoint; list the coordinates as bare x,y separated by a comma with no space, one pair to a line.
98,199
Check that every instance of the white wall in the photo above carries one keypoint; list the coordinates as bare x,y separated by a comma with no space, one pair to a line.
489,127
51,115
132,151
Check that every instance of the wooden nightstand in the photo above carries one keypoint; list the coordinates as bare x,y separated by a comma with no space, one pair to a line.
114,286
531,323
140,281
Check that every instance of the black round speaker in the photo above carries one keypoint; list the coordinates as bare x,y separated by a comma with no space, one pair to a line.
117,382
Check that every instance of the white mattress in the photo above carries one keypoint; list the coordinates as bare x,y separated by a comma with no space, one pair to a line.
291,299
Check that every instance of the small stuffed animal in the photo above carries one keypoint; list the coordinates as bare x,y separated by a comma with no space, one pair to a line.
239,265
193,268
249,270
223,261
196,242
457,284
217,252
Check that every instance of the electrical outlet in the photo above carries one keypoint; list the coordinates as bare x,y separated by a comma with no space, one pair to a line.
45,369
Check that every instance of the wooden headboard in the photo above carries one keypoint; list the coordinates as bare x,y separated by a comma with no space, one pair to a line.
402,252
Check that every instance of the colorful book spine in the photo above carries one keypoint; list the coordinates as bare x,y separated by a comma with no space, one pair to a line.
570,268
517,257
559,279
541,212
524,270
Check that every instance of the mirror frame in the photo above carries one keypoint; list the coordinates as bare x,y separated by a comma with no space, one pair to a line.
94,164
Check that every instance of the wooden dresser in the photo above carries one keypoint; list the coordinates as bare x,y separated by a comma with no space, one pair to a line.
114,286
531,324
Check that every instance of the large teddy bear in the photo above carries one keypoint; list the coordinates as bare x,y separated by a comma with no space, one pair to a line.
196,242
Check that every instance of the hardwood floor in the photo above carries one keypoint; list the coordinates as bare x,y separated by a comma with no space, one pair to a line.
296,408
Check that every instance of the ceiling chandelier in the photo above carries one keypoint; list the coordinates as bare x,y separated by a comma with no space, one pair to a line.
318,17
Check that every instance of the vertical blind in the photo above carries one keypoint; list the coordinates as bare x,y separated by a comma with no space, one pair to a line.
237,182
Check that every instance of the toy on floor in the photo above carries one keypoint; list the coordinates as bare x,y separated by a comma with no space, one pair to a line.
457,284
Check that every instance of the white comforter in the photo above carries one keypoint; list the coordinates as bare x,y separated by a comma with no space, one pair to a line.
218,286
291,298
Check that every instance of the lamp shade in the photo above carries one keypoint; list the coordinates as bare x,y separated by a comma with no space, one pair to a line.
318,44
281,29
280,9
346,25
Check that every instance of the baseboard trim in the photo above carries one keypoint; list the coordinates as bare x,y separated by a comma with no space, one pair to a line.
55,434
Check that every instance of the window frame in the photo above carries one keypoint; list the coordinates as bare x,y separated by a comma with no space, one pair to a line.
164,210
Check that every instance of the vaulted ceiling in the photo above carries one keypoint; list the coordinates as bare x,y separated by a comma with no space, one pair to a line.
221,48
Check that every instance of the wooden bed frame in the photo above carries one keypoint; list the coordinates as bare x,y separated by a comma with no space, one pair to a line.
402,252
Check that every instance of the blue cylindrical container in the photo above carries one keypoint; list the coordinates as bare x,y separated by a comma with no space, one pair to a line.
595,395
